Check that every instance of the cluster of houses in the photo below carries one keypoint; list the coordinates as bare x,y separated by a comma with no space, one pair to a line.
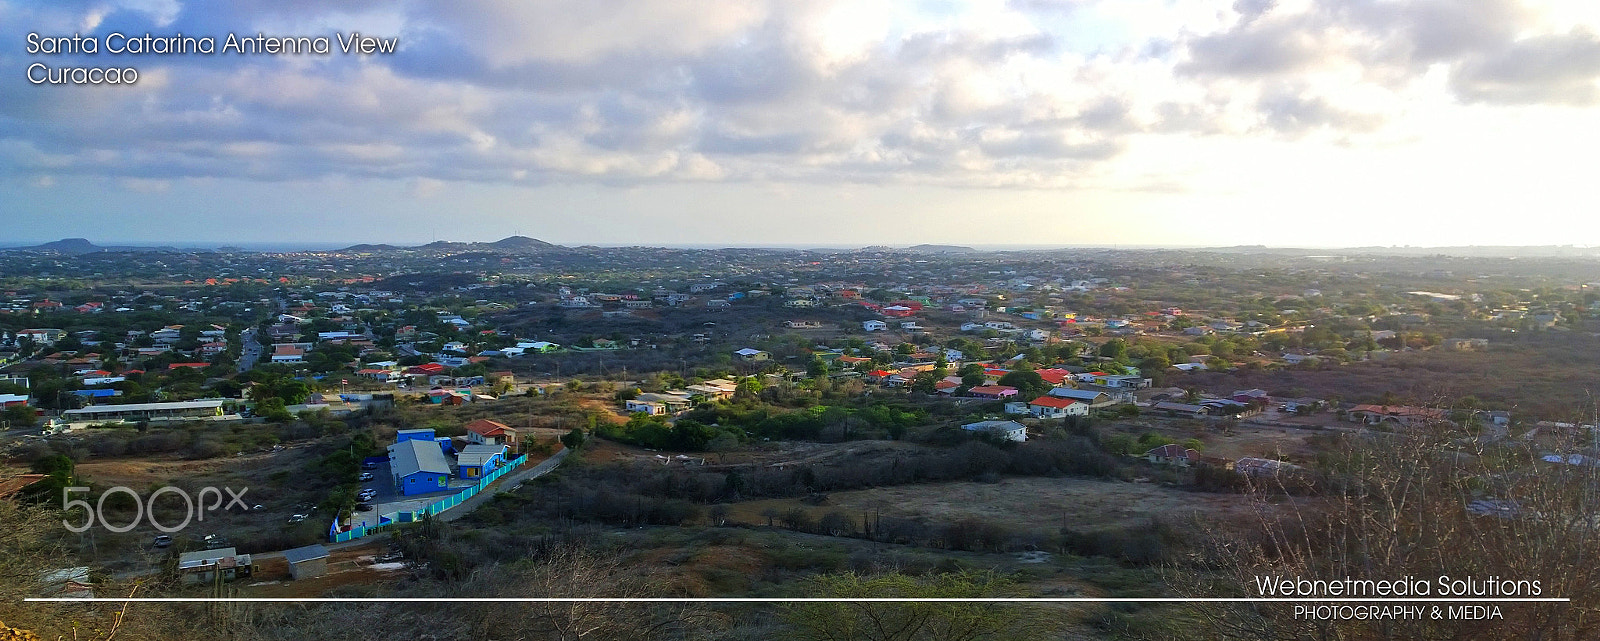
674,401
421,463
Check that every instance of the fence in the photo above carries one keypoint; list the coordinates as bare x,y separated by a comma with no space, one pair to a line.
336,536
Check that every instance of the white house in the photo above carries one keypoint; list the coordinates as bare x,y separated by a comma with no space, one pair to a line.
648,407
874,325
1010,430
1057,407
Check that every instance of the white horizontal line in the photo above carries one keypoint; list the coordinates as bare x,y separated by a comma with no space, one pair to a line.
794,600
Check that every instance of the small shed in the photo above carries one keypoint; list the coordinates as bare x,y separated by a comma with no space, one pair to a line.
309,561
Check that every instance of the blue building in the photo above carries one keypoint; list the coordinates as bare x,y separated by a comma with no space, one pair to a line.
413,435
418,467
478,460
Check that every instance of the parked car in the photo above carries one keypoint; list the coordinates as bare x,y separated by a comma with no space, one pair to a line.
369,466
363,507
162,541
296,518
366,476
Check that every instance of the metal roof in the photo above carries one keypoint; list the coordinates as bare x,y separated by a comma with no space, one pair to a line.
1077,394
479,453
307,553
147,407
409,457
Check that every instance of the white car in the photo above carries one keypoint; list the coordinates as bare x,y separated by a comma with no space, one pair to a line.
366,476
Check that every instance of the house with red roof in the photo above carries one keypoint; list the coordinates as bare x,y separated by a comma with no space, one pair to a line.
486,432
425,369
1057,407
1055,377
1403,415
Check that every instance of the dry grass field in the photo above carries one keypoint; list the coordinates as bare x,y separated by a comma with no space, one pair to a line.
1021,504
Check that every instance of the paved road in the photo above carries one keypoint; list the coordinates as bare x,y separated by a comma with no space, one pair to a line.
506,481
250,350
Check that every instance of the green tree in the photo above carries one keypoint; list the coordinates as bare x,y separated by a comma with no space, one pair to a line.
817,368
972,374
280,386
574,439
1115,349
20,416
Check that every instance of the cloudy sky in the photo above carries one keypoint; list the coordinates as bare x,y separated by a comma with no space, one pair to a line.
819,122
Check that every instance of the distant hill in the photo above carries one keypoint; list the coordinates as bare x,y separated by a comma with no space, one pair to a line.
367,248
521,242
941,249
83,246
511,244
69,246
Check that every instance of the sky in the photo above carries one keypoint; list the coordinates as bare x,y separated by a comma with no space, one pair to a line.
825,122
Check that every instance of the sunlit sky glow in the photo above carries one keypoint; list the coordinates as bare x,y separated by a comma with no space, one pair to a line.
842,123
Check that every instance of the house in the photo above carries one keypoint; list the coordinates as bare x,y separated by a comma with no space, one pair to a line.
671,401
1055,377
200,567
425,369
486,432
170,411
287,353
1404,415
1296,359
418,467
650,408
1173,454
1009,430
751,355
1466,344
802,324
716,388
1253,396
992,391
1179,409
1057,407
420,434
543,347
874,325
307,562
9,400
446,397
1092,397
380,375
42,336
1122,381
478,460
